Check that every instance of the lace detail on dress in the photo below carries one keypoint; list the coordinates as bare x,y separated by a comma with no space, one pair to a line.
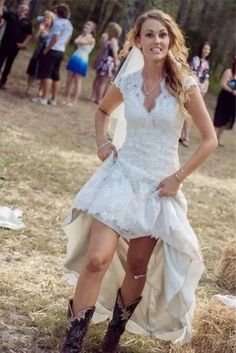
126,83
123,192
189,81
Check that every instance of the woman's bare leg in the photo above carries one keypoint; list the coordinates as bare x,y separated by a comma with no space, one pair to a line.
78,87
94,95
103,243
40,90
139,253
69,85
103,82
30,81
219,132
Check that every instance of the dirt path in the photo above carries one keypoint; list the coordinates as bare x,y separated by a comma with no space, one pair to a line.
46,154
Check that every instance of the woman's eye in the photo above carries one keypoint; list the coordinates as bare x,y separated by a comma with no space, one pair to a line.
149,35
164,34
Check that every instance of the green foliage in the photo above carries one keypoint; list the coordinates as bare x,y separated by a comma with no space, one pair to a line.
214,86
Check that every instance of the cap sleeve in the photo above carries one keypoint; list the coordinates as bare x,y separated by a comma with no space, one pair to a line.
190,81
120,83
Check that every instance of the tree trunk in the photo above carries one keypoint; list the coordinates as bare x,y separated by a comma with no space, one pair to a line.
181,12
33,8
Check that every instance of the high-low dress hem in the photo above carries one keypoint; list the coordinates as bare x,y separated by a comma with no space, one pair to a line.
122,194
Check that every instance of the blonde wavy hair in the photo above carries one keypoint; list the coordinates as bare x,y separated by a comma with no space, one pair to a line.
176,65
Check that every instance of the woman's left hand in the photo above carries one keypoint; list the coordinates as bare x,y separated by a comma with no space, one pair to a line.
168,186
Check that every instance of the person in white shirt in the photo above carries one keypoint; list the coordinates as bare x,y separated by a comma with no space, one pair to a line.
49,64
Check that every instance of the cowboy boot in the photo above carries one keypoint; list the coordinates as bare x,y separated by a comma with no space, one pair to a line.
77,329
116,327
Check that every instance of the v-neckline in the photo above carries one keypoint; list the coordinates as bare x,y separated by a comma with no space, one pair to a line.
162,83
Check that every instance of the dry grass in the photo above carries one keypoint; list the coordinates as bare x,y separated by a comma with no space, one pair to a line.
47,153
226,271
215,325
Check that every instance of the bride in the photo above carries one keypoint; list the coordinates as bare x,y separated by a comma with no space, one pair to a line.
130,244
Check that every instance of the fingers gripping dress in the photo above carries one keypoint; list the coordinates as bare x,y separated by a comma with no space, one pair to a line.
121,194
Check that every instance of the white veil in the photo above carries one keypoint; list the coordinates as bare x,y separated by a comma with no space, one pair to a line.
117,124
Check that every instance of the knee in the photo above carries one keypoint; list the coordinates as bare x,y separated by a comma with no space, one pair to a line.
97,264
137,266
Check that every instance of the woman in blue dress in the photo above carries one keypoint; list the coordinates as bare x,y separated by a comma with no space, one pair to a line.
78,63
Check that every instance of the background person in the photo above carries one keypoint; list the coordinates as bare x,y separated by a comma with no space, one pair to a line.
17,35
42,37
97,59
50,61
107,62
78,63
224,117
200,66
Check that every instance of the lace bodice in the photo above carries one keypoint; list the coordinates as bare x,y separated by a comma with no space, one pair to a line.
152,137
164,117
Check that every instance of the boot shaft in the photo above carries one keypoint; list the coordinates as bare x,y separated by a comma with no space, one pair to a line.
116,327
77,329
122,313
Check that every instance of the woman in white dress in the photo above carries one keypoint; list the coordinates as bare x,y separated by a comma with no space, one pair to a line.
128,234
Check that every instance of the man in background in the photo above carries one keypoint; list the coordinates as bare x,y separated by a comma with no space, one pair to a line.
16,36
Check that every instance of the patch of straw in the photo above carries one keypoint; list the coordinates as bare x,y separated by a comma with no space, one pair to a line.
226,271
214,328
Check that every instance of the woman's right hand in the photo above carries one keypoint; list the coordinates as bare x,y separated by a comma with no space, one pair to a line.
104,152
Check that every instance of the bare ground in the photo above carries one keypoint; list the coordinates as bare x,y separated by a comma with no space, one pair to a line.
46,154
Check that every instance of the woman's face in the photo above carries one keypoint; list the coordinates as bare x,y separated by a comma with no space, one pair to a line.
87,28
206,51
48,20
154,40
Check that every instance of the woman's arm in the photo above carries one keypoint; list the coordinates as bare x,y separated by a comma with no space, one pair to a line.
40,30
24,44
224,79
51,44
84,40
197,109
115,50
110,102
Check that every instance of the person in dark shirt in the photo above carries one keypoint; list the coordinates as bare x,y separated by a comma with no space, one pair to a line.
17,35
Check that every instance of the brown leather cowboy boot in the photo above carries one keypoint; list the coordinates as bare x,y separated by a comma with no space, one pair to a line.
116,327
77,329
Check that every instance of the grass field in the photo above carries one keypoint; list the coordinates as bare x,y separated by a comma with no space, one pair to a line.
46,154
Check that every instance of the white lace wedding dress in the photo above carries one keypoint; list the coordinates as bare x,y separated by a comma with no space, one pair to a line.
121,194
